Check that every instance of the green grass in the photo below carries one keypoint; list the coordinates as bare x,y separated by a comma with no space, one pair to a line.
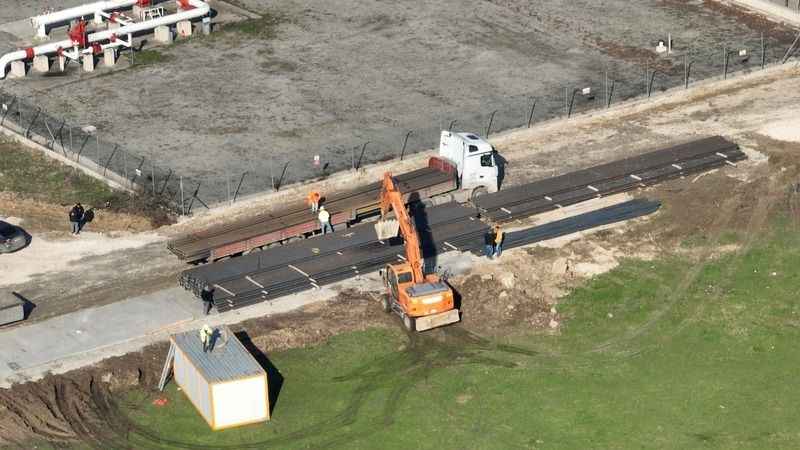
150,57
653,355
34,175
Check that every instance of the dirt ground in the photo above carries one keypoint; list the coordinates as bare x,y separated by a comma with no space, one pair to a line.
519,293
324,78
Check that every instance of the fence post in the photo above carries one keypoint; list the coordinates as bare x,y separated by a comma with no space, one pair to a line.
166,180
452,123
109,159
125,163
405,141
228,183
725,65
271,174
183,205
8,108
28,131
153,175
361,156
71,148
611,93
685,71
763,49
530,116
241,180
489,127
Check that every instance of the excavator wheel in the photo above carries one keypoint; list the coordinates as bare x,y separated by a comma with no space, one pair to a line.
385,305
409,323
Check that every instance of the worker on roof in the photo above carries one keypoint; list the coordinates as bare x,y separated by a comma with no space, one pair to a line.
313,200
205,337
324,220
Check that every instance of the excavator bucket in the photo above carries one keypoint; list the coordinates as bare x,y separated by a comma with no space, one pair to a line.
437,320
387,229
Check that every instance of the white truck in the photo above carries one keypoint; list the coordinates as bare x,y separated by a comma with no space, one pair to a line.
474,160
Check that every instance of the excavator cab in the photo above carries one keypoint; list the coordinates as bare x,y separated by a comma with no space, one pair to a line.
422,301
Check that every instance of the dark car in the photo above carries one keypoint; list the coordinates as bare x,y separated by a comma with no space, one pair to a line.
11,238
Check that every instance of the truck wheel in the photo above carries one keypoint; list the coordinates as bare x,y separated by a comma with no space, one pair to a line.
385,305
409,323
478,191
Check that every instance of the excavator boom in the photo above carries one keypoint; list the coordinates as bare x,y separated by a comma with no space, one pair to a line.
392,200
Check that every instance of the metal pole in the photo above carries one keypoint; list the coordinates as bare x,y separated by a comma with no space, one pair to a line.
271,175
452,123
153,175
566,102
405,141
71,148
530,116
763,49
125,163
97,148
228,182
491,119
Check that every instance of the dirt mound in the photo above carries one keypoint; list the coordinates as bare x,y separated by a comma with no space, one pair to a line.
40,216
77,406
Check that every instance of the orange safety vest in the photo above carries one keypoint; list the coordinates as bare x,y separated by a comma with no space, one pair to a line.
313,197
498,237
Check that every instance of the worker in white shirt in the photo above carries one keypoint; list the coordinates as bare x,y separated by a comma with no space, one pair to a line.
324,220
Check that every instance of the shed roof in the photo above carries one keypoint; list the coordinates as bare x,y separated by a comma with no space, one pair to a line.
228,361
9,300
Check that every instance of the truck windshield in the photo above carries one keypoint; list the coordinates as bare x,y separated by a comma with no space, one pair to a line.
487,160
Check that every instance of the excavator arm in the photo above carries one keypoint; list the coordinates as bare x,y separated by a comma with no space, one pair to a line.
392,199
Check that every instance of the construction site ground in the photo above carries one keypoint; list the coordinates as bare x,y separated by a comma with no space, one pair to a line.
672,331
299,81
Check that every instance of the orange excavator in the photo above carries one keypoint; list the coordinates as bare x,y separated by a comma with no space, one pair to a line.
422,301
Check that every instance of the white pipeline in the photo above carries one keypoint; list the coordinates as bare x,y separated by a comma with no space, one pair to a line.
41,22
198,9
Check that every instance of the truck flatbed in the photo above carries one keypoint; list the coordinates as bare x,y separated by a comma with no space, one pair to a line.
295,219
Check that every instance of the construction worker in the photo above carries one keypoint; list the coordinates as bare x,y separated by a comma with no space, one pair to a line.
76,217
488,247
313,200
205,337
207,295
325,220
499,236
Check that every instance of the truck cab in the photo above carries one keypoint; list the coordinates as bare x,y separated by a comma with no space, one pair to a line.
473,158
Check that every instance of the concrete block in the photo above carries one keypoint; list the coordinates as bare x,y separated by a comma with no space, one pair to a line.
60,63
41,63
18,69
163,34
184,28
110,57
88,63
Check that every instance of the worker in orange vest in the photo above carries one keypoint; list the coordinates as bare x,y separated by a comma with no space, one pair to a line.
313,200
499,236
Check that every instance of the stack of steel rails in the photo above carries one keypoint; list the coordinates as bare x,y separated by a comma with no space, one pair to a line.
618,176
296,220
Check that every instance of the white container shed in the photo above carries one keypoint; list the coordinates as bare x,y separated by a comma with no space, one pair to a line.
226,385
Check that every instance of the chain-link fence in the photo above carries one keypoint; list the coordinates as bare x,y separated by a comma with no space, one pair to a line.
615,83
